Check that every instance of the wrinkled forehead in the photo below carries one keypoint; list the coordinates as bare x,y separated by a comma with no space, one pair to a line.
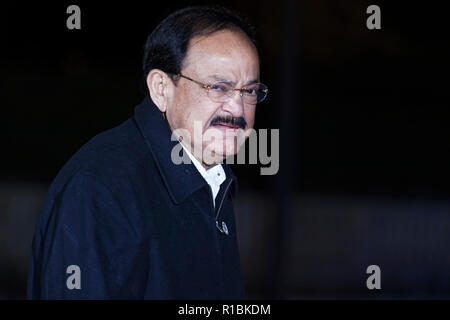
222,52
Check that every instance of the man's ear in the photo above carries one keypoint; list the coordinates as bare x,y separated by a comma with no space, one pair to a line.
158,85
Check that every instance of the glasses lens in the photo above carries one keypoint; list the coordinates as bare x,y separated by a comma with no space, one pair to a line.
255,93
252,94
219,91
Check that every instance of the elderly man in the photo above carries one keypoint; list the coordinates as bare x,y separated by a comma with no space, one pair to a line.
122,220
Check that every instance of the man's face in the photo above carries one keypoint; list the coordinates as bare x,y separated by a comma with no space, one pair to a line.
223,56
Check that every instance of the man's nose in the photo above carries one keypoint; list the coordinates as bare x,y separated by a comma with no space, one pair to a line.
235,104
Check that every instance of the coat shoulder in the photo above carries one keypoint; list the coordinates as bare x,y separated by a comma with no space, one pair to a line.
111,157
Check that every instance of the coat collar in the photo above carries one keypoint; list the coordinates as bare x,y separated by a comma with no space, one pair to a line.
183,179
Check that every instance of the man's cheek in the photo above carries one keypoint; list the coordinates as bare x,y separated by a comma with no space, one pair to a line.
250,123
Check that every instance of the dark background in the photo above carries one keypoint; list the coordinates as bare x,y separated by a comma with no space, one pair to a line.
362,114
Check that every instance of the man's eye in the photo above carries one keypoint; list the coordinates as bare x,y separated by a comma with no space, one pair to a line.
251,91
220,87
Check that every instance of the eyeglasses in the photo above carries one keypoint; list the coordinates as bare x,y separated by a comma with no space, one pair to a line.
220,91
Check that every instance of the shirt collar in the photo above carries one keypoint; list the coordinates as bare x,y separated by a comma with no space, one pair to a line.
157,134
206,173
214,176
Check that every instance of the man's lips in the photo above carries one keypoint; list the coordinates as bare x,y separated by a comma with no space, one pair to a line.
225,126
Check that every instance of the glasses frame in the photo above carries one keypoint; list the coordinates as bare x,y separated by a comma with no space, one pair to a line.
209,87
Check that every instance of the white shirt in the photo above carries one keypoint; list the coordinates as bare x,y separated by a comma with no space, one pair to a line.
214,176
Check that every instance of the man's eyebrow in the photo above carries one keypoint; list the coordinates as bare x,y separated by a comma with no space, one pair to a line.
219,78
222,79
252,82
